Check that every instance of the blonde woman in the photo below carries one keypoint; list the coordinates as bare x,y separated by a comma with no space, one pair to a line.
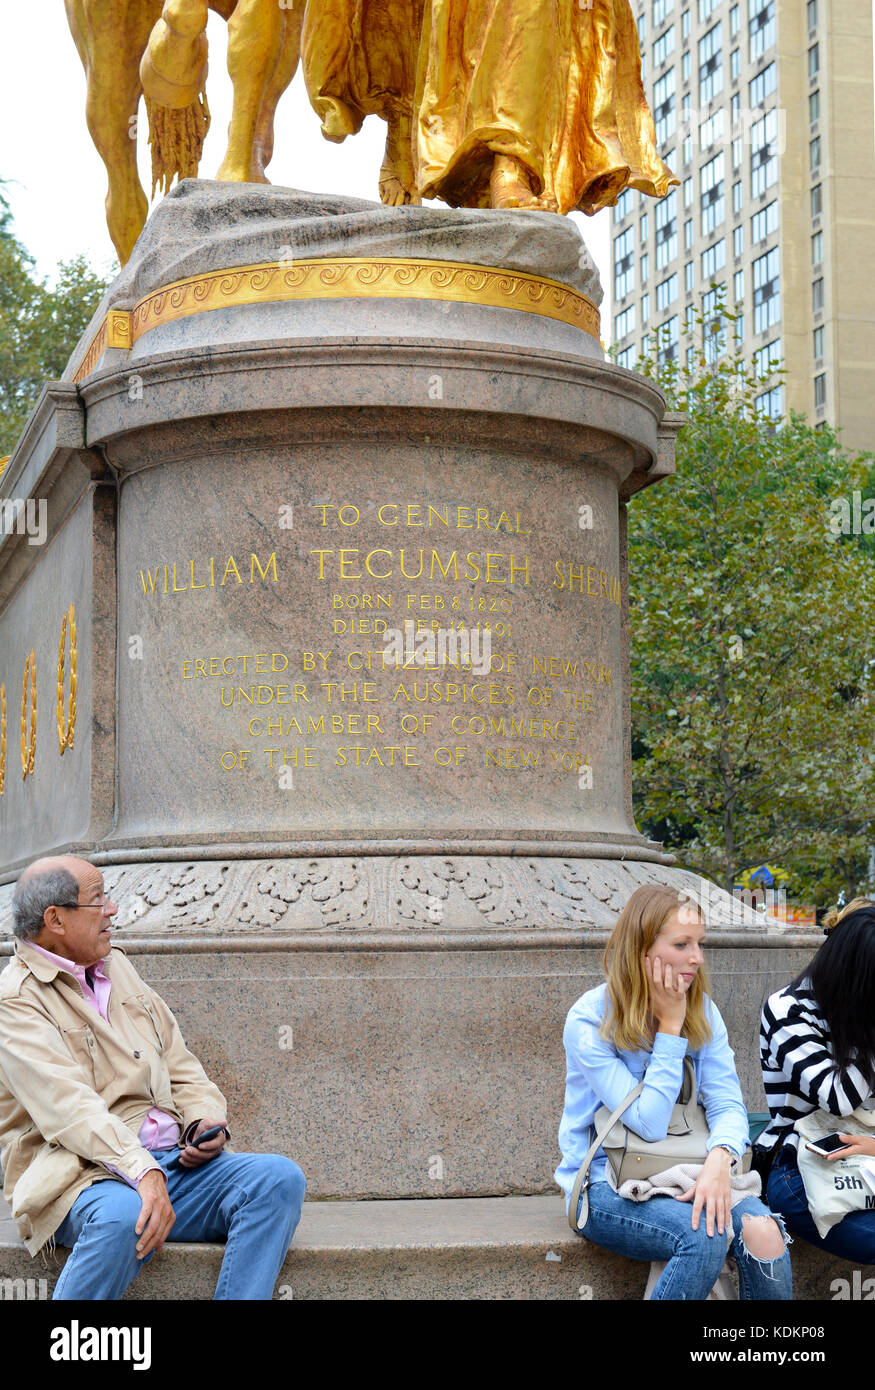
653,1012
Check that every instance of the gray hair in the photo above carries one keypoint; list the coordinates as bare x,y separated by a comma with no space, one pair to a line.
34,893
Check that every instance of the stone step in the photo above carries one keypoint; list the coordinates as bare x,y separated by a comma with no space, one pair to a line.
445,1248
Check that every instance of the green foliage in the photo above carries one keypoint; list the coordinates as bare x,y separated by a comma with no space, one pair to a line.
39,327
753,663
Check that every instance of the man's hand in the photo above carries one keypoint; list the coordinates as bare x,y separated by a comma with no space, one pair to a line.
156,1216
711,1190
191,1157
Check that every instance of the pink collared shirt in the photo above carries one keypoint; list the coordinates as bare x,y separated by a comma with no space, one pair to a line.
159,1130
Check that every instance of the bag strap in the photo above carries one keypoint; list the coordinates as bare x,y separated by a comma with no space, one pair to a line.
688,1092
582,1179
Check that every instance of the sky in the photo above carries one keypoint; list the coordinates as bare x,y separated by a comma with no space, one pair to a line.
56,182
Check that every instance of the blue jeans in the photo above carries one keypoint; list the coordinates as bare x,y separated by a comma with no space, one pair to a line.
250,1201
662,1229
853,1237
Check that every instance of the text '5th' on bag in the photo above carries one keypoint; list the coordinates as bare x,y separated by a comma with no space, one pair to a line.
630,1156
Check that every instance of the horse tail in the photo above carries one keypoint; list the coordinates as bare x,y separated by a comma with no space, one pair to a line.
173,72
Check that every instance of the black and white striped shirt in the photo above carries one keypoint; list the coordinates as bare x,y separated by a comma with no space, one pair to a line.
799,1071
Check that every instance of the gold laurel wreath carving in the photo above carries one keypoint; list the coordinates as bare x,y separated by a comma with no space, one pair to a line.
28,736
2,738
66,729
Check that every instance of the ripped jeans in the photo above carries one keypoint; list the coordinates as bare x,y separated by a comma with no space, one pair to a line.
662,1229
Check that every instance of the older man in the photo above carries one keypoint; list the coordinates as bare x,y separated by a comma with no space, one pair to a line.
102,1106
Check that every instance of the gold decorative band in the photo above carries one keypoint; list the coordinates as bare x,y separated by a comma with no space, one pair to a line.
350,278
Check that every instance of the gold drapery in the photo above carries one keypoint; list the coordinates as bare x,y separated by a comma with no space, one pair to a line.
359,58
551,83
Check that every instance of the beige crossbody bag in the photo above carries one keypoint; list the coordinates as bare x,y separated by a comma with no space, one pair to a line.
630,1156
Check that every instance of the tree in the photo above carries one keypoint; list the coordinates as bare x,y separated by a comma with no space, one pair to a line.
39,327
753,697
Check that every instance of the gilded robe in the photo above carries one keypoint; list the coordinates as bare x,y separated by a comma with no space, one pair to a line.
553,83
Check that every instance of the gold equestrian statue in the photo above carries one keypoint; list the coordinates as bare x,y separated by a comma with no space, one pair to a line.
488,103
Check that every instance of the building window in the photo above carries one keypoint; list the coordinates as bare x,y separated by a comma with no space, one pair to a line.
685,26
760,27
813,60
817,248
763,154
766,292
685,66
711,190
688,148
714,259
713,324
711,130
688,235
666,293
645,268
624,323
707,8
817,296
689,281
642,28
814,106
663,47
667,339
771,403
735,109
814,153
764,222
812,14
738,286
711,64
661,10
737,241
642,228
819,341
767,360
689,318
688,192
645,309
737,199
734,64
820,389
624,264
623,206
666,230
663,107
734,21
736,152
626,358
816,200
763,85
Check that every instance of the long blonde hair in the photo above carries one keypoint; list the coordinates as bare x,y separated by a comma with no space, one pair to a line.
629,1023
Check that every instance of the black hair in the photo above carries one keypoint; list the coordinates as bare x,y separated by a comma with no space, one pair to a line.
842,977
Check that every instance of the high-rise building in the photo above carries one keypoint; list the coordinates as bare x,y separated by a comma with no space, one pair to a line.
765,110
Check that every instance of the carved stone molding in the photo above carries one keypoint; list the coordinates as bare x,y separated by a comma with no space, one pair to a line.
405,895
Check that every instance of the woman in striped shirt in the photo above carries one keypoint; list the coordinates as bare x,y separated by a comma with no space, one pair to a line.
817,1046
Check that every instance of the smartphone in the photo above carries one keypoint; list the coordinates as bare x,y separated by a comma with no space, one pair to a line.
196,1143
827,1145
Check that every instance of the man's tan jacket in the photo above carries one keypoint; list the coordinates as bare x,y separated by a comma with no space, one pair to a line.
75,1089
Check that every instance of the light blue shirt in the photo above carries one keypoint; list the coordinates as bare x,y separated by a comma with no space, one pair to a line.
599,1073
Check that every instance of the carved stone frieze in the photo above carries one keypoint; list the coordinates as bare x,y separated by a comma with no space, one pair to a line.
389,894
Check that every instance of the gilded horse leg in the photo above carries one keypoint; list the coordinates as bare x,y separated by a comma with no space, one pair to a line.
259,49
290,53
111,36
